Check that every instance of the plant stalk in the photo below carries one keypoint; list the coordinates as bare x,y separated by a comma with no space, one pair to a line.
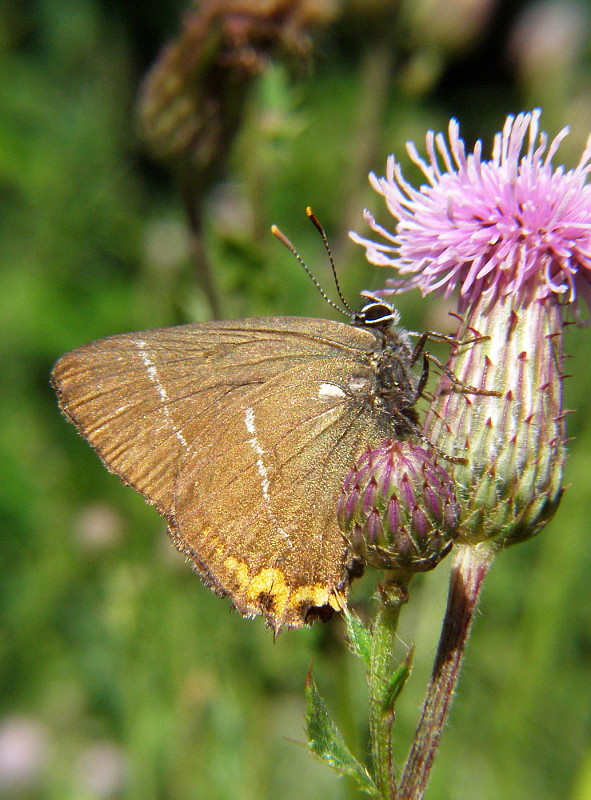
470,566
393,595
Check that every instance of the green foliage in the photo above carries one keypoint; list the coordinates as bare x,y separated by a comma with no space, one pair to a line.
397,683
111,650
326,742
359,637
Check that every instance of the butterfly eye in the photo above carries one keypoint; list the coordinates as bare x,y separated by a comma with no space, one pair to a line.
377,313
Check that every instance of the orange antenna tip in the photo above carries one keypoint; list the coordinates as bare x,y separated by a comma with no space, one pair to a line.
282,238
314,219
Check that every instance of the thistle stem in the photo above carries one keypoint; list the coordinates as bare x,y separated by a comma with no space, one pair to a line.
393,595
470,566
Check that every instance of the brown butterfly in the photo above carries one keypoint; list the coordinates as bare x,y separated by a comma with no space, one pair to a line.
241,434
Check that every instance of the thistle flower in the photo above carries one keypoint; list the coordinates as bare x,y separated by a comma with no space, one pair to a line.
513,234
497,227
397,509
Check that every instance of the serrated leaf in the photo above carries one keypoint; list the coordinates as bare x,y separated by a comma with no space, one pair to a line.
325,741
359,637
397,682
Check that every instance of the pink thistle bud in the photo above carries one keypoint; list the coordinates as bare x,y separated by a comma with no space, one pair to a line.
397,509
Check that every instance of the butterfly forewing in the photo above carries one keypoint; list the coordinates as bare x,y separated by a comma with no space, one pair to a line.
241,434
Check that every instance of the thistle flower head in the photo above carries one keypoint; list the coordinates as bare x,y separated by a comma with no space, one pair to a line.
513,234
397,509
504,227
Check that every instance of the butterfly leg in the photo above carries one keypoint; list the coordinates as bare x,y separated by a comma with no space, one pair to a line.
457,384
435,336
424,376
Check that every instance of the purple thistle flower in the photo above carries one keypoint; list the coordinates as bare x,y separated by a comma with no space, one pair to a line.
495,228
513,234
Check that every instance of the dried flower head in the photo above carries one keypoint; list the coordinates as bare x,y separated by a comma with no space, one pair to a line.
191,100
495,227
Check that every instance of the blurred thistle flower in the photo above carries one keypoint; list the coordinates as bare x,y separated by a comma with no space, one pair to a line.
24,754
547,42
452,25
397,509
102,770
98,528
514,235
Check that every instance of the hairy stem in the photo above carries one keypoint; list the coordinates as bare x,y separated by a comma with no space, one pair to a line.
393,595
471,564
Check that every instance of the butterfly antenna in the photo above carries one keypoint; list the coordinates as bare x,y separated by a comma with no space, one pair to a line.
317,224
285,241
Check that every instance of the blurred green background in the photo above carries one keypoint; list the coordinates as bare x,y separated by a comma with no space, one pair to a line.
121,675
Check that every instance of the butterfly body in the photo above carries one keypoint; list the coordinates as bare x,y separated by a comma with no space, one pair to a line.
241,434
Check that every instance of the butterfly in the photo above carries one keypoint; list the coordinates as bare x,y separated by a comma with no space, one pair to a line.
241,433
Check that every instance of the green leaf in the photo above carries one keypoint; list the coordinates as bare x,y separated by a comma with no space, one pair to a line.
325,741
397,683
359,637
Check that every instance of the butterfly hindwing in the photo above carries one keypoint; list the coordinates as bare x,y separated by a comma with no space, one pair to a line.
241,434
